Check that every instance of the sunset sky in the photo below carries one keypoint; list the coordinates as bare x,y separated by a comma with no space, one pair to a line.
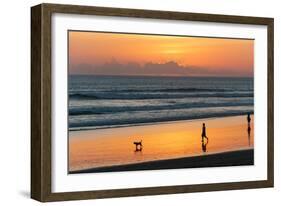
135,54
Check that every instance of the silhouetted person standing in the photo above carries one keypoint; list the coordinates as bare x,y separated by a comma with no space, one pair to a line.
204,132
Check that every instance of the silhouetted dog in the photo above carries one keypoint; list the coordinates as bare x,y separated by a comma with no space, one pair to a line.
138,144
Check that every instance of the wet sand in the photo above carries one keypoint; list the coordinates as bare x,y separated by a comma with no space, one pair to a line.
165,146
233,158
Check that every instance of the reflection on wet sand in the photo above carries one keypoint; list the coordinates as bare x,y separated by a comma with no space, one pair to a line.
204,144
106,147
249,135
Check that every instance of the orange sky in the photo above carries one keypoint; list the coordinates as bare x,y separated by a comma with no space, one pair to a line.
215,54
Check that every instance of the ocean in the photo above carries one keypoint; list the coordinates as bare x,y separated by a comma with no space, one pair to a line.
114,101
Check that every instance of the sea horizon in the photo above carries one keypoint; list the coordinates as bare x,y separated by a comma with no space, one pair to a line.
161,76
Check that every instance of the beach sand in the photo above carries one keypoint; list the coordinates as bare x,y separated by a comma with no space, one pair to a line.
167,145
234,158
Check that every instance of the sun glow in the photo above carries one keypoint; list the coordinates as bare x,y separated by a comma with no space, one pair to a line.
96,48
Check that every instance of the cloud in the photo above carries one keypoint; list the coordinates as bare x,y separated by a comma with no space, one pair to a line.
170,68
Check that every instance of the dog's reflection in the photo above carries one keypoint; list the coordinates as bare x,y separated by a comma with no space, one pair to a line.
138,146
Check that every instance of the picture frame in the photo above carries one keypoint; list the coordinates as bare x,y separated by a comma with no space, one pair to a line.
41,101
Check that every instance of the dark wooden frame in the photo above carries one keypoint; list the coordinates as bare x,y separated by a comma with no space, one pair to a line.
41,101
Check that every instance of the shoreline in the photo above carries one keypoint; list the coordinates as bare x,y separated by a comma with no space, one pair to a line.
222,159
154,123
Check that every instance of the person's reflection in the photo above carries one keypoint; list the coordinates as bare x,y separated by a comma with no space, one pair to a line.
249,135
249,120
204,138
249,128
205,142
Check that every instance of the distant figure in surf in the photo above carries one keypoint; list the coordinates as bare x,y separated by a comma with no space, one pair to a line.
249,120
204,132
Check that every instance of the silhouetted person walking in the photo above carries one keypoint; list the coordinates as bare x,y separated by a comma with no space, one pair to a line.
204,132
